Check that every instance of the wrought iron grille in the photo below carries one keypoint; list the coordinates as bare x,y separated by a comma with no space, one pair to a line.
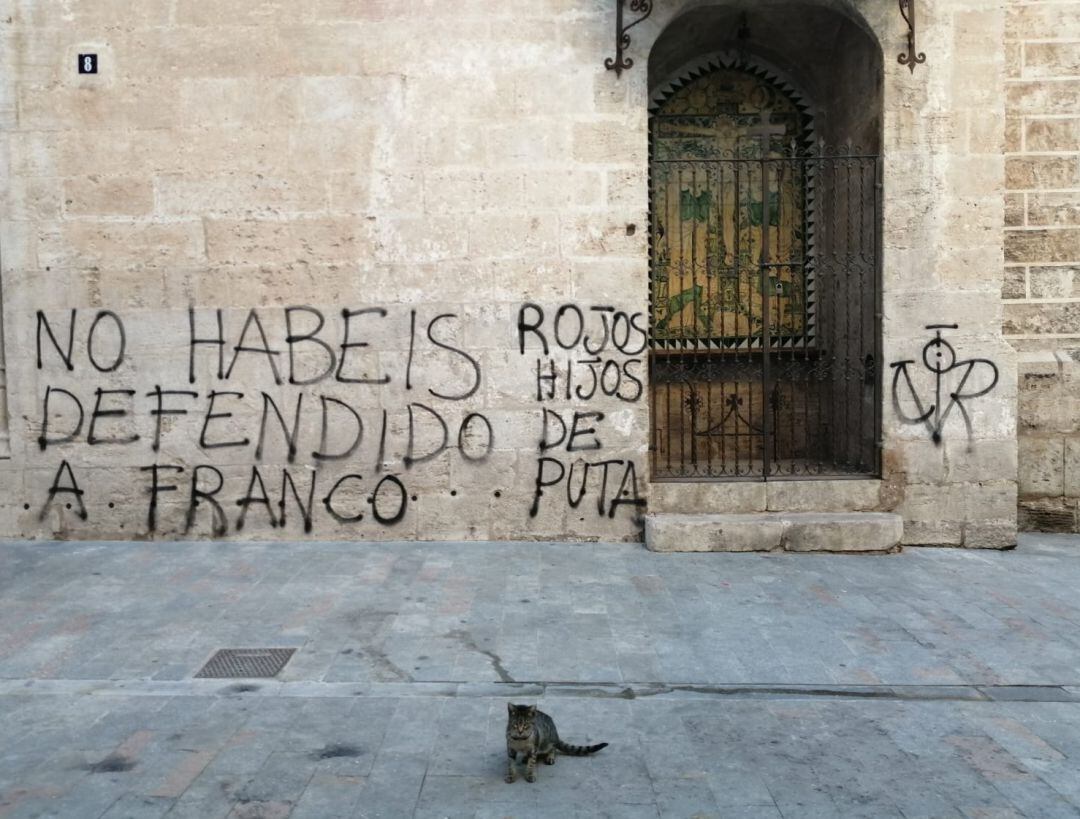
765,359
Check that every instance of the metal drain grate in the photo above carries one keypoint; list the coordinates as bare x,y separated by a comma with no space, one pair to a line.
240,663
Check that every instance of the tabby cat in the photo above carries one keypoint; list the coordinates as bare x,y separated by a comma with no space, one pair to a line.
532,733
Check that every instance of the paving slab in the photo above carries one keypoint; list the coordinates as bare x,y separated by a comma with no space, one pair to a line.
930,683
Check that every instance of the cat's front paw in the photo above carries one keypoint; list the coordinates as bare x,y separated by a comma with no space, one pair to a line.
510,779
530,777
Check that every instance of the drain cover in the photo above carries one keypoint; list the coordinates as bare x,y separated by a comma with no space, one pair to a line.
239,663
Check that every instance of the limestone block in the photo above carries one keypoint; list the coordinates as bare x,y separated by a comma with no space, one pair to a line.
270,241
535,279
1060,318
986,131
32,199
94,196
990,535
965,264
348,98
817,496
1054,282
510,235
707,497
1051,59
1071,487
1027,172
959,502
1014,130
229,101
1015,282
457,143
1050,134
1041,97
1042,22
471,191
713,533
609,280
120,244
1049,515
980,460
348,192
932,533
921,461
239,195
348,147
610,143
1053,209
796,532
528,142
563,189
863,532
592,235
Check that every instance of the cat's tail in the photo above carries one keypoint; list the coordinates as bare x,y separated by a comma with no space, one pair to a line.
579,750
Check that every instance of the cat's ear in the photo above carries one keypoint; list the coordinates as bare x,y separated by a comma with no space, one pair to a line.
510,707
532,710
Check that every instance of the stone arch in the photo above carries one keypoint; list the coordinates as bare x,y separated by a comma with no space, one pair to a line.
764,252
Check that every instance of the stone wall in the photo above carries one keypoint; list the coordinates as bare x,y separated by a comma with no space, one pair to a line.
379,270
1041,290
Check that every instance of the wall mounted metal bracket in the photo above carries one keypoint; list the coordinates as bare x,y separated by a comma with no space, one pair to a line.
643,8
910,58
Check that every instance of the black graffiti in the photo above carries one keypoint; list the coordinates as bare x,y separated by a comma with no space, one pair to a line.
430,431
321,454
586,378
67,356
115,412
466,435
293,339
550,472
44,441
220,523
570,433
939,357
159,394
213,416
156,488
625,332
402,501
250,499
471,390
306,337
381,515
70,488
242,347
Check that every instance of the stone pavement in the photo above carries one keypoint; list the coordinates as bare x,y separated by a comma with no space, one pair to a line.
932,683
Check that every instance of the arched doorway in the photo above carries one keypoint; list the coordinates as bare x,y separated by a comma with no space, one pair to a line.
764,275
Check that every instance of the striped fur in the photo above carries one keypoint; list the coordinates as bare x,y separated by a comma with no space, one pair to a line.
532,733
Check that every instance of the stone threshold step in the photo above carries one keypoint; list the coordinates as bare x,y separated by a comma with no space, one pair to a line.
775,531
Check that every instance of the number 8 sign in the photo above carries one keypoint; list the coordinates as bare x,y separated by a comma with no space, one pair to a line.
88,63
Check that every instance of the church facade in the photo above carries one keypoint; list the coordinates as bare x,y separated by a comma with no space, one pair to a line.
709,275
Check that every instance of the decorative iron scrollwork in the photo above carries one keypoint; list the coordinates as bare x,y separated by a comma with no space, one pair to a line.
910,58
643,8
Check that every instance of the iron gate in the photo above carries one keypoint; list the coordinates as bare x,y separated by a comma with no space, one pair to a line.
764,357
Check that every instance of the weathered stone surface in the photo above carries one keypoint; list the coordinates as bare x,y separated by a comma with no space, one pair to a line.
713,533
792,531
1054,282
839,532
406,189
1042,467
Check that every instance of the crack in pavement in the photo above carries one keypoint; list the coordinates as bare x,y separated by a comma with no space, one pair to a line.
508,687
467,640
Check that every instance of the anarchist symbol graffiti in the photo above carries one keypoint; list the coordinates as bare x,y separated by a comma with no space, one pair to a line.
939,357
